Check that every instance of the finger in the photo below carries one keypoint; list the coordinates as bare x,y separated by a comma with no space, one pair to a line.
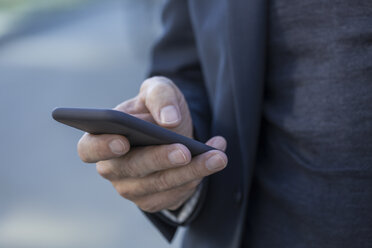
200,166
218,142
136,108
132,106
171,199
142,161
93,148
193,185
161,98
145,116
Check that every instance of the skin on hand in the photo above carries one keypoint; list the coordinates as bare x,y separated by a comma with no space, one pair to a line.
154,177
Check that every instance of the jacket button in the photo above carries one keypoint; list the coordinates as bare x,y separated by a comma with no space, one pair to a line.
238,196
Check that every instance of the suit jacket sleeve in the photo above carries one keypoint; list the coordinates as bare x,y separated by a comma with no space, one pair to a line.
175,56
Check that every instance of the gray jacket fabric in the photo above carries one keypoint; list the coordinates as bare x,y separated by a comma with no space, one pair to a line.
215,52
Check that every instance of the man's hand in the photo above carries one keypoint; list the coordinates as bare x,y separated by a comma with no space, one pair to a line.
154,177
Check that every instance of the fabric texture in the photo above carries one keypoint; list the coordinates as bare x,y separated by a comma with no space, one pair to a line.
313,182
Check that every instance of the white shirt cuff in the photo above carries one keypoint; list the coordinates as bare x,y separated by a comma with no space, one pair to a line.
186,210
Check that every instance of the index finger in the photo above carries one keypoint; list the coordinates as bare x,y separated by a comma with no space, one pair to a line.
93,148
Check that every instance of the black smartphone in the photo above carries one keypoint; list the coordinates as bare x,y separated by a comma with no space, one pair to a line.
137,131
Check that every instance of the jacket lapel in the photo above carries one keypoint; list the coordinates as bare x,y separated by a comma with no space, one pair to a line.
246,60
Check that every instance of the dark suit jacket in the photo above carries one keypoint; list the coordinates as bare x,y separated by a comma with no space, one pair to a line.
214,50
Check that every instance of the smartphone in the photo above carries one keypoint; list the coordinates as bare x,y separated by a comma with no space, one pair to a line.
137,131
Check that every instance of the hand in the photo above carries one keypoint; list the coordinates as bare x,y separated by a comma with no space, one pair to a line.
154,177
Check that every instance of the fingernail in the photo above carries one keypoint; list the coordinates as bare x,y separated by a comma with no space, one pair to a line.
219,143
177,157
169,114
216,162
117,146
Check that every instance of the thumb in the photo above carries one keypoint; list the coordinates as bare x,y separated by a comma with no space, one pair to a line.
162,98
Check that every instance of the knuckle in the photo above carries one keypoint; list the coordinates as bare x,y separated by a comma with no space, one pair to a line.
161,182
155,80
159,156
132,166
156,93
158,86
127,170
146,83
194,170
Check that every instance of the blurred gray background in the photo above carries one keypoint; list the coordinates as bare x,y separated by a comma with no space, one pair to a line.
71,53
